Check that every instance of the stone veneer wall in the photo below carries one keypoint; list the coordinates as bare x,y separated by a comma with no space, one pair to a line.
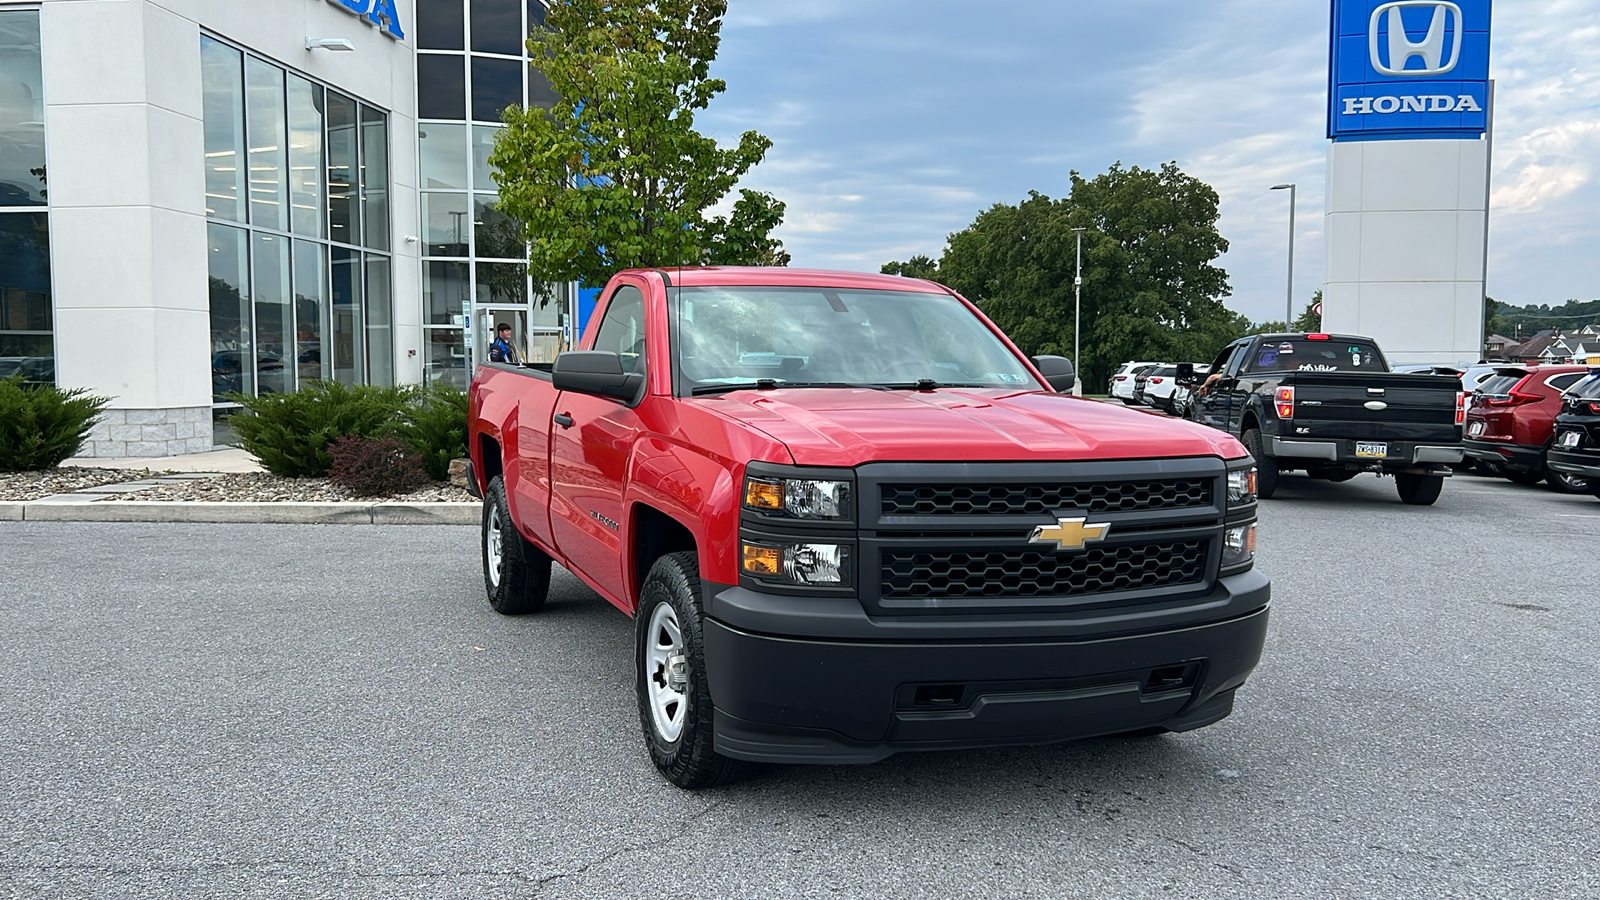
125,433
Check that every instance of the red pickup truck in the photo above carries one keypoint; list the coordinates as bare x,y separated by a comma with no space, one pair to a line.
851,519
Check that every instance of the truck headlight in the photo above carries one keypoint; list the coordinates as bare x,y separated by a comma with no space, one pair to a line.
802,564
801,498
1238,546
1242,486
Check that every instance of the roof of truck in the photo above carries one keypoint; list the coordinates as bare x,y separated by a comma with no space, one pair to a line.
706,276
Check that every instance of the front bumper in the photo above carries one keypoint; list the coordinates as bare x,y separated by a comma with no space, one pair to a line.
1515,457
1343,452
1584,465
842,699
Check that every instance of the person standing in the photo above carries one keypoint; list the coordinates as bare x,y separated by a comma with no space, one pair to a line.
502,350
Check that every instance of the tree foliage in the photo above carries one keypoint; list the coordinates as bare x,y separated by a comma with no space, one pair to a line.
918,266
615,175
1150,289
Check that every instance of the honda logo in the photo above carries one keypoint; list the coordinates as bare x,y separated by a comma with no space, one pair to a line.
1401,49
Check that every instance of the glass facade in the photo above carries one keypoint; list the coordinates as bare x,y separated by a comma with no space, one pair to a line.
27,314
297,194
471,64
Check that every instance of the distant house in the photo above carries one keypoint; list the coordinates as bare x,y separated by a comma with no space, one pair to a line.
1494,346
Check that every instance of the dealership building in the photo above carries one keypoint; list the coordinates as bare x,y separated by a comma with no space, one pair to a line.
202,197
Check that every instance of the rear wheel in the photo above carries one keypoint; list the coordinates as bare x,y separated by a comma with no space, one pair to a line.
674,700
516,574
1562,483
1418,490
1266,469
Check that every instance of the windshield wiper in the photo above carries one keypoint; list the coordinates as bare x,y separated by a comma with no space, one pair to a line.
928,384
771,384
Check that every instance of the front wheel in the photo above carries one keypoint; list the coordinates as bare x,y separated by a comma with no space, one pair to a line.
1266,469
674,701
1418,490
516,574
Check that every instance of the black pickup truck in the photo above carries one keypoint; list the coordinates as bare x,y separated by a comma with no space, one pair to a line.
1328,404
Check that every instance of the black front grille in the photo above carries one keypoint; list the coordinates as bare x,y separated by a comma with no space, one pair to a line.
917,574
1039,499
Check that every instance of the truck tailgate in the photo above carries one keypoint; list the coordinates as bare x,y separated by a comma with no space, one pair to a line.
1375,405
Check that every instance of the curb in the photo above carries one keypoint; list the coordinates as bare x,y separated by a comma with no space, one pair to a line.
200,511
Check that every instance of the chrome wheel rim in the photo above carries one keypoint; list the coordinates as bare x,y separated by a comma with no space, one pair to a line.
494,547
666,673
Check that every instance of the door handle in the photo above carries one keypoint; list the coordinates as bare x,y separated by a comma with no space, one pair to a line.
562,419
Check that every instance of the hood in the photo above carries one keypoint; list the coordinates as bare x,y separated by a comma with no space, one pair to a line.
848,427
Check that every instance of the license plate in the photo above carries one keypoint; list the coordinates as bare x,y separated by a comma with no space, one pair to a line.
1371,449
1476,429
1569,439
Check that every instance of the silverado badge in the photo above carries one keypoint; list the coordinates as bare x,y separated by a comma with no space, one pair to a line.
1069,534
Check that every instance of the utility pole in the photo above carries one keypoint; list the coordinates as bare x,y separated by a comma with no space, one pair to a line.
1077,319
1288,316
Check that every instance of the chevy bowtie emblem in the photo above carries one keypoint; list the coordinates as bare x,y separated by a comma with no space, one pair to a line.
1069,534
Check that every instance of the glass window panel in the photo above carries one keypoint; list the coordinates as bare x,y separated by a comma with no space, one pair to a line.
445,286
441,86
375,178
547,309
483,137
540,94
269,259
22,164
502,284
26,344
445,225
269,163
344,317
446,358
497,26
380,322
305,157
535,14
229,267
496,84
222,101
440,25
344,225
310,294
498,235
444,156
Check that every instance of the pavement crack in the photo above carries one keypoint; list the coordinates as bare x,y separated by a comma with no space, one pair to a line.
634,848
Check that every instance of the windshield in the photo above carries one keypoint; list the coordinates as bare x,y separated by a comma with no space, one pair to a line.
729,337
1299,355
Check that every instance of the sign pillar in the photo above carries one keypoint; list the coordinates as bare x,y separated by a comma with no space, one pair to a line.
1408,172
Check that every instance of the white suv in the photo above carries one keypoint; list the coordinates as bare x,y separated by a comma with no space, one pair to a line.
1122,380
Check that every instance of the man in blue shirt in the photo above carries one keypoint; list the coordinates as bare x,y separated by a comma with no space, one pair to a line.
502,350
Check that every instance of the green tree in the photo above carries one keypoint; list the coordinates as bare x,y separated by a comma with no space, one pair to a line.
615,175
1150,289
1309,319
918,266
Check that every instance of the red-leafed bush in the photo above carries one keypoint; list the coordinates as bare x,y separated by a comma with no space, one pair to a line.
375,467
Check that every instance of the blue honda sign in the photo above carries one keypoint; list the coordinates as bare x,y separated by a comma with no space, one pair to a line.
1409,69
380,13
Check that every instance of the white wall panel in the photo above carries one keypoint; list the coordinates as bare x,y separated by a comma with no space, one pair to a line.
1408,246
1344,177
93,52
1400,176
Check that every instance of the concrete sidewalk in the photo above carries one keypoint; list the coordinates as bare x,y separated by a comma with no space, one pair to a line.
227,461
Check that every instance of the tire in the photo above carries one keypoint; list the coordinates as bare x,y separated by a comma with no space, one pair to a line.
1340,477
1528,478
1562,483
1266,469
1418,490
516,574
674,700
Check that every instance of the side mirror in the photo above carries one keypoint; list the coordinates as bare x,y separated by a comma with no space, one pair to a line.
1186,374
1057,371
596,372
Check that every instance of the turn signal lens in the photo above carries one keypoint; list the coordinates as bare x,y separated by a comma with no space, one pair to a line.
1238,545
1285,402
763,561
763,494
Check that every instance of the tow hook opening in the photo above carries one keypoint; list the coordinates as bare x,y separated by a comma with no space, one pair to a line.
1171,678
939,696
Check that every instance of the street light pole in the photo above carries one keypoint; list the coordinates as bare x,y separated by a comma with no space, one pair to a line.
1077,319
1288,317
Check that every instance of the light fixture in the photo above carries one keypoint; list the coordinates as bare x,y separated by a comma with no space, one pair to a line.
342,44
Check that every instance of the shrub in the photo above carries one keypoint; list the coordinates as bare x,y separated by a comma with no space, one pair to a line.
290,433
41,425
375,467
435,425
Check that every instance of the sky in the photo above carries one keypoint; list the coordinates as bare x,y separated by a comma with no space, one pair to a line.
895,122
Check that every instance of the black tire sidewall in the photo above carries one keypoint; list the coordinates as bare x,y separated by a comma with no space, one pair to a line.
524,569
690,760
1418,490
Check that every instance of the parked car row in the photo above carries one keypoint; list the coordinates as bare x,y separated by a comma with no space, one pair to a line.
1533,423
1153,384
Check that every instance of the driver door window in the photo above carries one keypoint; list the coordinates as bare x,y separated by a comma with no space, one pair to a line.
622,329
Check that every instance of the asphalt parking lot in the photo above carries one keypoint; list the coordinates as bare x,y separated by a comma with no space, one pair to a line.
303,711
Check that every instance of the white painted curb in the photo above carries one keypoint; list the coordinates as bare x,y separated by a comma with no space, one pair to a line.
324,513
